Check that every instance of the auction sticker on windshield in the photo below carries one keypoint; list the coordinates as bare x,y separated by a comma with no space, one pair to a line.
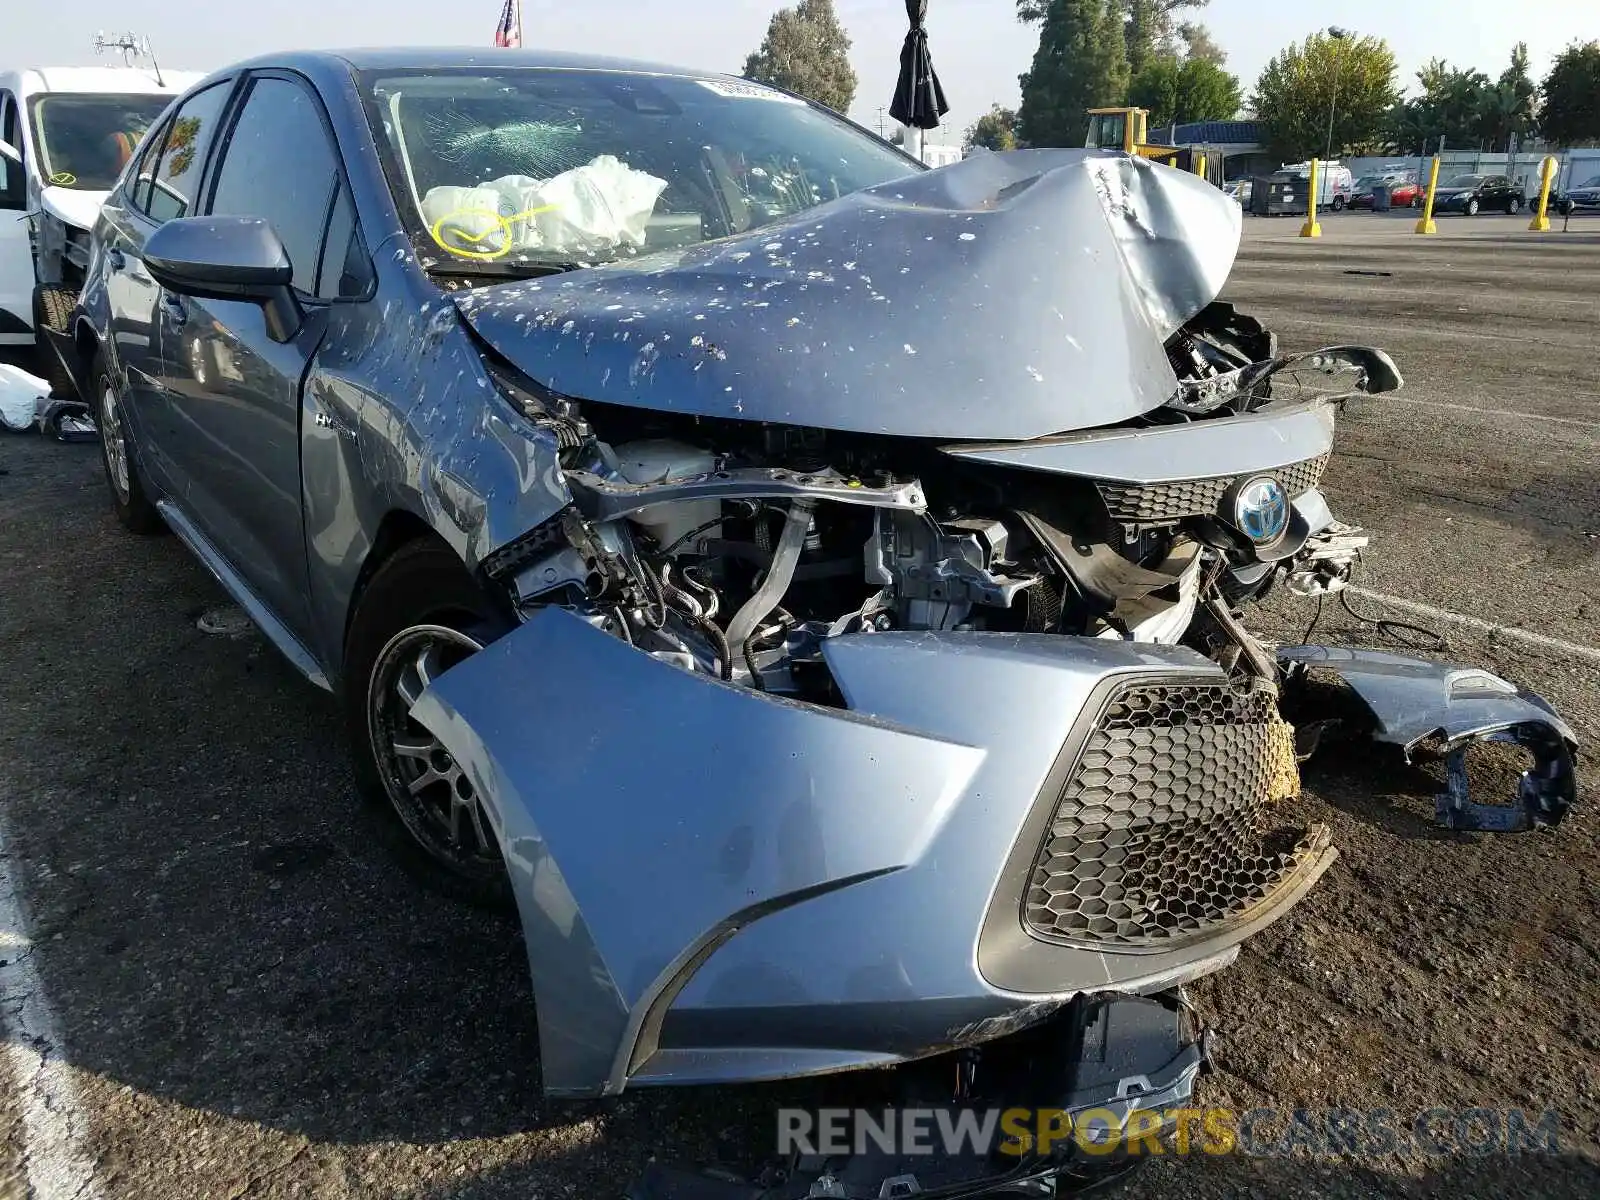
746,91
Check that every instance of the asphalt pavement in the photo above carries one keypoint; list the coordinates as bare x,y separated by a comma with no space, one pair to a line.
221,986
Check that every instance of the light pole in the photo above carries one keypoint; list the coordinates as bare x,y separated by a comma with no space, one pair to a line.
1338,35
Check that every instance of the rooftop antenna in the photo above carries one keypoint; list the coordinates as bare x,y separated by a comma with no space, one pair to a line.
133,46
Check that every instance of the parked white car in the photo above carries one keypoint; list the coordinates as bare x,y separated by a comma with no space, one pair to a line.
65,135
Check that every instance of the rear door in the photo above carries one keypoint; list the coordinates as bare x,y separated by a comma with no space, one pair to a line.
235,392
164,183
16,256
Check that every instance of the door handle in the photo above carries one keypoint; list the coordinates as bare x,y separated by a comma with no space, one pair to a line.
116,258
176,313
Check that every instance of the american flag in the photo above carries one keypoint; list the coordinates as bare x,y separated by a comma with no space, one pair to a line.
509,31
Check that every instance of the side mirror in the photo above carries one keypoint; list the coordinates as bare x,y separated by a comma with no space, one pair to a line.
7,150
227,258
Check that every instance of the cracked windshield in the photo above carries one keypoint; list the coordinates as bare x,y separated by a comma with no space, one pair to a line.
553,169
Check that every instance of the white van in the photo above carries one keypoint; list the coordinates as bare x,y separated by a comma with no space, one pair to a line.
1335,184
65,134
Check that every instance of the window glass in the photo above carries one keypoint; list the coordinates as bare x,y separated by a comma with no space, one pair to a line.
531,166
13,189
279,165
84,140
341,273
137,186
176,175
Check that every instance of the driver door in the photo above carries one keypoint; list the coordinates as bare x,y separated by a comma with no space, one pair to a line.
16,254
234,392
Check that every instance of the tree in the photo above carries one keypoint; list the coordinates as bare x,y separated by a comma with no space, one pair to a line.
1159,19
1571,112
1454,105
807,51
1143,34
1452,102
1198,43
1187,89
995,130
1149,29
1508,107
1081,63
1350,78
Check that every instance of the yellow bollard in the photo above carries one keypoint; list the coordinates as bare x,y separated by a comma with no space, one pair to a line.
1200,165
1426,225
1311,228
1541,214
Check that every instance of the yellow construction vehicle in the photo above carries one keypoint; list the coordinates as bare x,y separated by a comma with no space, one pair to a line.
1124,129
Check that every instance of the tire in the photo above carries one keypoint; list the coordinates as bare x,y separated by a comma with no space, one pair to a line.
1514,205
420,606
52,309
128,497
1472,207
1338,203
1416,202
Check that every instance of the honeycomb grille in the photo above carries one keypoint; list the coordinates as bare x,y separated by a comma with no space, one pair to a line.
1158,834
1163,503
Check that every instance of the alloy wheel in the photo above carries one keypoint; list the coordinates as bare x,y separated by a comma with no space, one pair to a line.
429,790
114,439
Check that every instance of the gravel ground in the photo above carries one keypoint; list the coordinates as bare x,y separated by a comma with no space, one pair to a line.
256,1002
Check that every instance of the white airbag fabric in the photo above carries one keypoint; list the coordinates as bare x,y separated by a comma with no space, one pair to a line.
600,205
20,394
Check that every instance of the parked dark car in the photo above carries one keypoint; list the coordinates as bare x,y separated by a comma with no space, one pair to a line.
1472,194
1585,195
805,584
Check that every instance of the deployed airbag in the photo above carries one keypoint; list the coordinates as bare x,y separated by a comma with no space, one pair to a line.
599,206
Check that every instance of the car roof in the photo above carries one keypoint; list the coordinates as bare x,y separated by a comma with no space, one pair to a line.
35,80
414,58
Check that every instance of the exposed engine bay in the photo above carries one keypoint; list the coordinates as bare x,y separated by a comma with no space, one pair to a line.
736,548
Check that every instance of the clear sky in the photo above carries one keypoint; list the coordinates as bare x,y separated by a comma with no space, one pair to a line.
978,47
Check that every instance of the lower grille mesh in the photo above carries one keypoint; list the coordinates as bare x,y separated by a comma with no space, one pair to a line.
1163,503
1158,834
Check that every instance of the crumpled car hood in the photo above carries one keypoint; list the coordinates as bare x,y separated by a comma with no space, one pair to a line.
1005,297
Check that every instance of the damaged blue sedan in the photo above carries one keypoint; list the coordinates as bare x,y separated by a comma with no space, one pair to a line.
813,589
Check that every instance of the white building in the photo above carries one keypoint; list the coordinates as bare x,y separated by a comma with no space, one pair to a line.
940,156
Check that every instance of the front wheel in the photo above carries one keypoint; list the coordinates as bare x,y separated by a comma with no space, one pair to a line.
419,616
1472,207
128,499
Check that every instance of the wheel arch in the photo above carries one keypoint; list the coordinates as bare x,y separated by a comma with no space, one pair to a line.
399,527
86,342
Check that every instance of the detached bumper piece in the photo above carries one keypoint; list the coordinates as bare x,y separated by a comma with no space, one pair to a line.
1413,702
1104,1053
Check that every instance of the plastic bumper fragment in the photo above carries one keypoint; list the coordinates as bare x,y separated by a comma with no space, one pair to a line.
1413,701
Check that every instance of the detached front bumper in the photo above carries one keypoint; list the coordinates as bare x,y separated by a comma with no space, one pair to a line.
717,884
1414,702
